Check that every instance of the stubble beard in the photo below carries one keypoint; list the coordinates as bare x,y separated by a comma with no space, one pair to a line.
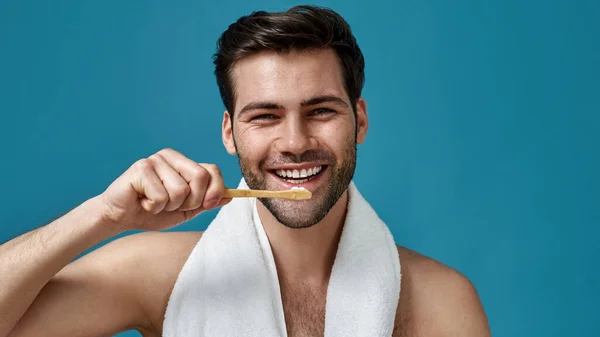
305,213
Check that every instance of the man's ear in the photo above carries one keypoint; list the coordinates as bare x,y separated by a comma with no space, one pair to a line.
227,133
362,121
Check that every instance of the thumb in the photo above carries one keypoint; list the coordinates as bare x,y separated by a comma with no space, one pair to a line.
189,215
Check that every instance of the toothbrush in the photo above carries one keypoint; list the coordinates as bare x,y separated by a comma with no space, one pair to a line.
295,193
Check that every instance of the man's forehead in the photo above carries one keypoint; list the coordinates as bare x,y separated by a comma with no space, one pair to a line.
288,78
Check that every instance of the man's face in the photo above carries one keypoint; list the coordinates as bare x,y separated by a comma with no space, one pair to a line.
293,126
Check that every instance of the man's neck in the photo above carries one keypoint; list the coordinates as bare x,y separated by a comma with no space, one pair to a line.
305,255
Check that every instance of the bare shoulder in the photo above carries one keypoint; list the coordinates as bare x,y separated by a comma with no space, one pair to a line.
437,300
154,260
143,268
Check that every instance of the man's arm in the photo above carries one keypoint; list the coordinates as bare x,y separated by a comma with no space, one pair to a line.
155,193
124,285
29,261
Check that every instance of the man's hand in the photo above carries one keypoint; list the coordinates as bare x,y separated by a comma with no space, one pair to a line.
162,191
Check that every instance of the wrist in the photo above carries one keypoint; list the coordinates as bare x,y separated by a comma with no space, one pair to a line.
99,217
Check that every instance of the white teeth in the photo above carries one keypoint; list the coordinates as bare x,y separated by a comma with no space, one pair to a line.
295,174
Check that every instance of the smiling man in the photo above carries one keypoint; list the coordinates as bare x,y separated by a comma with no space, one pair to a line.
291,83
296,126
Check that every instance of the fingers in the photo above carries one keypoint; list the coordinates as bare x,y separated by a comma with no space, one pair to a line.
190,214
198,179
177,188
188,185
147,184
216,187
196,176
223,202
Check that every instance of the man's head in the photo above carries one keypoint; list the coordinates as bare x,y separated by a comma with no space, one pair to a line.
291,83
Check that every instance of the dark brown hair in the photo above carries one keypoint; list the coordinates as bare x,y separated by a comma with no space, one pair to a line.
297,29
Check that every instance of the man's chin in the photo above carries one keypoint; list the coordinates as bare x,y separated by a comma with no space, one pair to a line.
296,222
295,213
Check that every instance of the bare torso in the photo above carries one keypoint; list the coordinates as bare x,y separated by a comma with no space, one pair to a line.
304,304
424,284
304,309
127,283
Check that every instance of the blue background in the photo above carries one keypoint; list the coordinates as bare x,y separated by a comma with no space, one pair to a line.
482,150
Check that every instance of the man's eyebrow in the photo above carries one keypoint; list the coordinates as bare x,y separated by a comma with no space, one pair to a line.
259,105
274,106
323,99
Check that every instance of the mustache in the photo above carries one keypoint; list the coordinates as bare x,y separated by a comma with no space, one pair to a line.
307,156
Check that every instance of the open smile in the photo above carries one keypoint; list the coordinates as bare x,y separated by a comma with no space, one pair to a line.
305,176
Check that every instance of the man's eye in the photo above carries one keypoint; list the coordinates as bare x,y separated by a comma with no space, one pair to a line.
321,111
263,117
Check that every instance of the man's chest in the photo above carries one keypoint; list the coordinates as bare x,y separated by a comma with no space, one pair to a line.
304,309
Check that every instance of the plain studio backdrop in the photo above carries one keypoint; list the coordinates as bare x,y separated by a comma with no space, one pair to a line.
482,150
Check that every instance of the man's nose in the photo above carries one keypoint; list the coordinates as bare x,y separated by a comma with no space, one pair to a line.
295,137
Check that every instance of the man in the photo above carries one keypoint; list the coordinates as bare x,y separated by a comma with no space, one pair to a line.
291,84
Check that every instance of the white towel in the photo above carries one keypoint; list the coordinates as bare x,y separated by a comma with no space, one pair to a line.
229,285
